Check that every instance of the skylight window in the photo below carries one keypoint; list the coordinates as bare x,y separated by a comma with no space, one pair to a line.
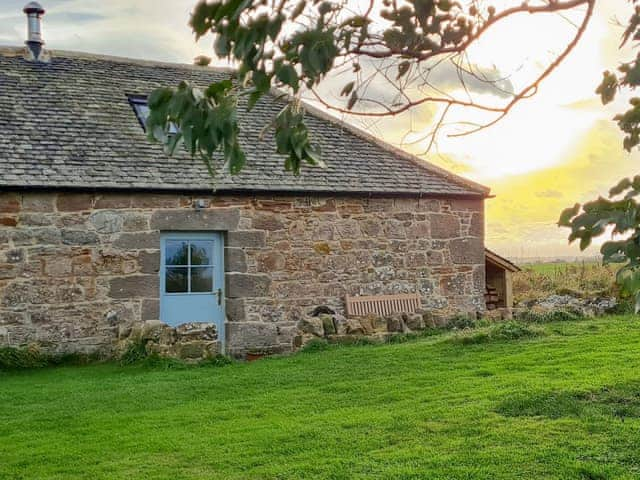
141,109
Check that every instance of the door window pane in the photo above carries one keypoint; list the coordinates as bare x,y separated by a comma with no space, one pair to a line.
201,252
177,252
202,279
176,280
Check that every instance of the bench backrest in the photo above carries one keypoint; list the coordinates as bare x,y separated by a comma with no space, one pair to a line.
358,306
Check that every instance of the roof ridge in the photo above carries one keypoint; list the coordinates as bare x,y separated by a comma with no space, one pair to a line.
10,50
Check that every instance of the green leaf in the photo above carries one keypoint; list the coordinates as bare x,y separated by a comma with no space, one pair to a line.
567,214
298,10
346,90
254,96
352,100
237,160
403,68
623,185
221,46
288,75
611,250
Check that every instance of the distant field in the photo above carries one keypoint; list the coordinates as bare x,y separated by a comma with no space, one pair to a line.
588,278
557,267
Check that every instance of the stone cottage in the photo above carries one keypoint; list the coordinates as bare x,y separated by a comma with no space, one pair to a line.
100,230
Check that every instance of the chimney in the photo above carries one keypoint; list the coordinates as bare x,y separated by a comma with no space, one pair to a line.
34,41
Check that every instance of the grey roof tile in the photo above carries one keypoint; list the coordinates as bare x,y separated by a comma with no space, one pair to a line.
68,123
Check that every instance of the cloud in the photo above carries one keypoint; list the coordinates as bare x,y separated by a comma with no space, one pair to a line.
480,80
150,29
549,194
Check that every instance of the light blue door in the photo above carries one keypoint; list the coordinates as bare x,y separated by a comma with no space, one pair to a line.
192,279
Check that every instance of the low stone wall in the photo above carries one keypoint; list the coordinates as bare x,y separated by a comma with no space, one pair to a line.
337,328
189,341
76,269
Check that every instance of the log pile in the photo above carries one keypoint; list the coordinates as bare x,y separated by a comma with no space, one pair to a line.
491,297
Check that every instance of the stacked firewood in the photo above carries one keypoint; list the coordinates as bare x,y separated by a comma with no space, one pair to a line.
491,297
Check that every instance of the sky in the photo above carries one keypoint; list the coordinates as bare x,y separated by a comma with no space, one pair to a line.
554,149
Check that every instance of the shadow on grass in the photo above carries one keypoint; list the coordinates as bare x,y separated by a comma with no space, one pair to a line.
621,401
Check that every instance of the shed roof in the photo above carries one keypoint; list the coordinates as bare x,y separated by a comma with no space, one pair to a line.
499,261
67,123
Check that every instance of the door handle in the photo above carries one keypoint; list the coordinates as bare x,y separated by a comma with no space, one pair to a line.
219,296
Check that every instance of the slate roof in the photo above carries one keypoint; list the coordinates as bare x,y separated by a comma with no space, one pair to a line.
68,124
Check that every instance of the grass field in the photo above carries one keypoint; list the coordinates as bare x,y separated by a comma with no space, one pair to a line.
581,279
560,267
563,405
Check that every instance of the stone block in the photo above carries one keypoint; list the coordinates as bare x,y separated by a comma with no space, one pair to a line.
466,205
113,201
106,221
235,309
150,309
196,331
79,237
444,226
328,324
235,260
8,271
134,286
149,261
367,325
395,323
35,220
247,239
135,222
57,266
267,221
414,321
47,236
74,202
138,241
435,258
6,221
193,350
38,202
419,230
476,229
452,285
12,317
378,323
196,220
271,262
244,285
312,326
10,203
467,251
156,201
479,278
242,336
353,326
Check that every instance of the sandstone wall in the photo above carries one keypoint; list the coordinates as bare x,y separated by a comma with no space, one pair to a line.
79,270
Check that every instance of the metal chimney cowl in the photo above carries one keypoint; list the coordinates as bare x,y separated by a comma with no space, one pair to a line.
35,50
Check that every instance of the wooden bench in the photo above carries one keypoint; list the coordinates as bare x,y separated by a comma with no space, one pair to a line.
359,306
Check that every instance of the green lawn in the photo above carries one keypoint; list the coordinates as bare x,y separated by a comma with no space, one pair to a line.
565,405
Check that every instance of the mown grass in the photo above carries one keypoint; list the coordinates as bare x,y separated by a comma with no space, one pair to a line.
563,404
